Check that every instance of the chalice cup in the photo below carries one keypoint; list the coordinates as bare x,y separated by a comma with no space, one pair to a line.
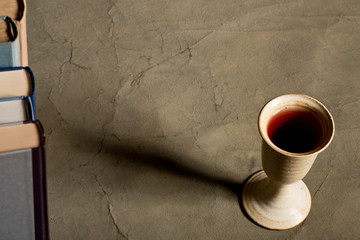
294,128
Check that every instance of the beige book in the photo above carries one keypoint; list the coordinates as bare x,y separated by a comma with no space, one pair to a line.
16,110
15,83
18,137
16,9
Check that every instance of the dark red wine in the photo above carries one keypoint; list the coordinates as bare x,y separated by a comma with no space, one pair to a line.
295,130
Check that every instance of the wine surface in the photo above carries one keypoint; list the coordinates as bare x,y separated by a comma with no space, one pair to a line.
295,130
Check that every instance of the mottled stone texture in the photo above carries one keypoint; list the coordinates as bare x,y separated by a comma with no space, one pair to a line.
150,109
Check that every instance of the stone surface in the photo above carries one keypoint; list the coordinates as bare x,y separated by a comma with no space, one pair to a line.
150,110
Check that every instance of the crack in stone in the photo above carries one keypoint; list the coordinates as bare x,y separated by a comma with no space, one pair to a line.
226,116
189,50
61,71
47,33
62,119
137,78
322,183
114,221
111,33
142,138
104,193
162,44
111,214
71,59
101,144
218,99
111,30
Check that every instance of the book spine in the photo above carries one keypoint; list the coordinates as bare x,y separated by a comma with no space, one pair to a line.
30,108
40,189
24,61
32,96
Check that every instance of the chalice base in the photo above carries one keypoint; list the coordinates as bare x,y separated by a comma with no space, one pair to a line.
275,206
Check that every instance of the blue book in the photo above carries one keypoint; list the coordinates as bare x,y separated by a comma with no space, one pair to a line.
23,201
10,50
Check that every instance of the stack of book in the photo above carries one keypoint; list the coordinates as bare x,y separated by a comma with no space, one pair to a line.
23,198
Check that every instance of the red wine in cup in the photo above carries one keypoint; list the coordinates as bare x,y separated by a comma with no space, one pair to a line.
295,130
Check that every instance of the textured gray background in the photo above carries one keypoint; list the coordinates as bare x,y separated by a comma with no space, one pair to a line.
150,110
